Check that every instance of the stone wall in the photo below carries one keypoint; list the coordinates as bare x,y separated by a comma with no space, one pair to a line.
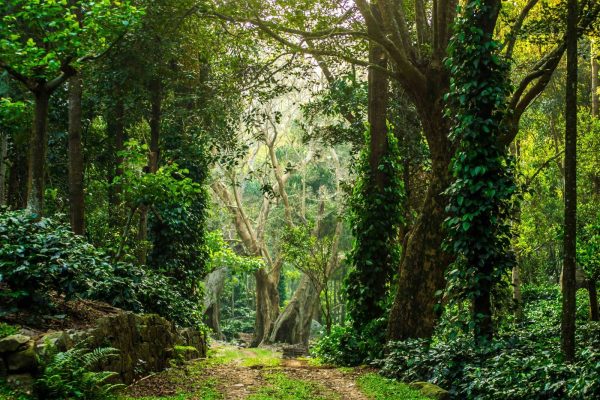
146,344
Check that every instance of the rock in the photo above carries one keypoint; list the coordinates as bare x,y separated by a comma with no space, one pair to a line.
22,382
430,390
294,351
3,370
13,343
186,353
194,338
61,341
24,360
29,332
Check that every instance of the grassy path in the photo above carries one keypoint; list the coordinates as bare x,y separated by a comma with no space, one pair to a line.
232,373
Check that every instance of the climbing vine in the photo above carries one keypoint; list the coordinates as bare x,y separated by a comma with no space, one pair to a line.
481,194
375,216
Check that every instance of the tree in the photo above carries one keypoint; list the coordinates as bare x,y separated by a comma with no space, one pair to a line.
416,48
570,223
43,45
480,195
76,167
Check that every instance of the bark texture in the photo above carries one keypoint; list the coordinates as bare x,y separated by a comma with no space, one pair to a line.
595,54
213,286
115,125
3,167
38,149
570,224
293,325
76,166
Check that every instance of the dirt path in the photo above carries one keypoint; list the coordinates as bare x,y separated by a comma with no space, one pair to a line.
237,373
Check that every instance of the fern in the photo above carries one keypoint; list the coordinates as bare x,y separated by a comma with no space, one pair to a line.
74,374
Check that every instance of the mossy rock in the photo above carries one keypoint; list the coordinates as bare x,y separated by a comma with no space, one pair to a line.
430,390
24,360
13,343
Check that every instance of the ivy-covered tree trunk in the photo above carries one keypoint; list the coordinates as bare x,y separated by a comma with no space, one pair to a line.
76,194
376,216
38,149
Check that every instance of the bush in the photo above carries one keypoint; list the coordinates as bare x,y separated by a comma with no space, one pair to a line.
39,258
523,361
346,346
7,330
73,375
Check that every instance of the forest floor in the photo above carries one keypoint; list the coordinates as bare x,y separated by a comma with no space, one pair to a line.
232,373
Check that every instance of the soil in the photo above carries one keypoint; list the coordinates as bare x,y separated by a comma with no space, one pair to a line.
236,381
72,314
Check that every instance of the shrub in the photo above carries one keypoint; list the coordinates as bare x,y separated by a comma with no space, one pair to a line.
522,362
7,330
349,347
42,257
73,375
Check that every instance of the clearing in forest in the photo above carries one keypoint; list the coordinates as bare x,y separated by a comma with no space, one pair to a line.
262,374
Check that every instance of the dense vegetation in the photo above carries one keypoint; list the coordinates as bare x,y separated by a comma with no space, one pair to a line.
413,185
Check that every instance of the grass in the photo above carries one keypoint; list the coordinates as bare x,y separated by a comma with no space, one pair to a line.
263,357
380,388
282,387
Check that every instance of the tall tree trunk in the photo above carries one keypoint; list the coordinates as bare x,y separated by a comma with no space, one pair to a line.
17,177
378,103
76,169
153,156
570,223
424,262
115,122
595,54
38,148
3,167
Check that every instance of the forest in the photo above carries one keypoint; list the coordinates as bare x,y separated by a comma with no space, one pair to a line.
299,199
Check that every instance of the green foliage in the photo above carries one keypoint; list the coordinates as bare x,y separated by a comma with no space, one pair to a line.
348,347
43,257
480,196
588,249
73,375
379,388
376,217
7,330
523,361
6,393
38,257
40,38
346,97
